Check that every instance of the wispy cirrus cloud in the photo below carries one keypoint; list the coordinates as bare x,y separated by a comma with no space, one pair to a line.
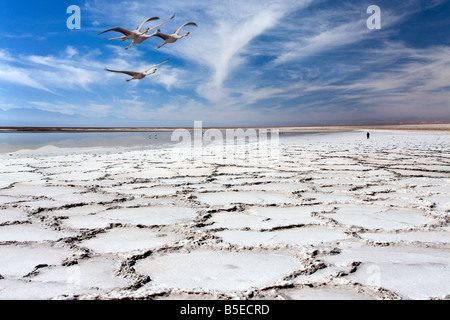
413,86
91,109
49,73
71,69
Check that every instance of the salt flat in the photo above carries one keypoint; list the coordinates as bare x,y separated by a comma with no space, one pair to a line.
217,270
330,216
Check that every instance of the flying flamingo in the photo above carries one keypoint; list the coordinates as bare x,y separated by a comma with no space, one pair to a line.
137,36
140,74
174,36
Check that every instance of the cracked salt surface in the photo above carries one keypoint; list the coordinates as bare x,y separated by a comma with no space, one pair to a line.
247,197
305,236
438,237
413,273
19,260
267,217
155,215
217,270
12,215
325,293
97,274
31,232
379,217
334,216
119,240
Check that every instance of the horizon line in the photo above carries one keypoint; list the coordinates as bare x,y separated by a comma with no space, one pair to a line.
337,127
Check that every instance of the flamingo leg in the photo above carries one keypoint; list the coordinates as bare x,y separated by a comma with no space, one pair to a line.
132,43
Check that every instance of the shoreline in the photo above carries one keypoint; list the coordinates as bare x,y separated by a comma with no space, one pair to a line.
26,140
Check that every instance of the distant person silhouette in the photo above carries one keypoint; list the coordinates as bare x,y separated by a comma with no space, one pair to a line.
368,135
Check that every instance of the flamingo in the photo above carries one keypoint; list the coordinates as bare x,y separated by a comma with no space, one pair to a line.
137,36
140,74
174,36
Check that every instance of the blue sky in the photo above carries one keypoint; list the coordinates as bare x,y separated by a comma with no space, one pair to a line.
248,63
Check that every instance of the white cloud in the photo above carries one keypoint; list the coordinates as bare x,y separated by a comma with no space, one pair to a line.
90,109
20,76
70,52
50,73
60,106
72,70
417,89
327,40
169,78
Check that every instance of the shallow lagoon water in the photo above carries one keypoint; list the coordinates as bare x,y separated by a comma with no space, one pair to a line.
14,141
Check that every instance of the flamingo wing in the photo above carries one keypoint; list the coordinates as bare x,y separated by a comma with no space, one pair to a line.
130,73
118,29
162,23
185,24
145,21
157,64
162,36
